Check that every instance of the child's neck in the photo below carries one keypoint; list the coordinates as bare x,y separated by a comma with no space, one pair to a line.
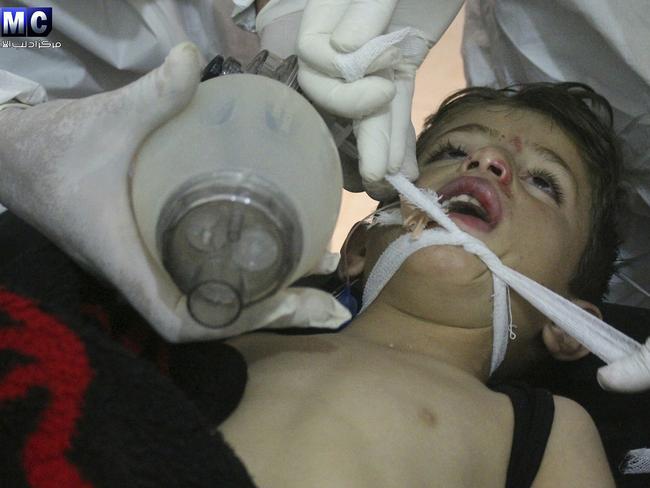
467,349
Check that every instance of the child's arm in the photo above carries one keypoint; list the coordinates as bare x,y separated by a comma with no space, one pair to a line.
574,454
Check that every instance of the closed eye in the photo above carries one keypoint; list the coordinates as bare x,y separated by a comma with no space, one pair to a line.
447,151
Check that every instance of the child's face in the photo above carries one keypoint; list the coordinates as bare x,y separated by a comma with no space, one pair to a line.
533,211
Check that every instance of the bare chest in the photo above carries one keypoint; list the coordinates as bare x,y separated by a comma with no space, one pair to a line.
352,418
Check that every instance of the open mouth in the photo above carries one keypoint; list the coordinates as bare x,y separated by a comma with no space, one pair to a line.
470,200
466,205
473,201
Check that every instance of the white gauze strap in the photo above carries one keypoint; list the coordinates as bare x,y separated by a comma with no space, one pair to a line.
393,257
353,66
601,339
403,247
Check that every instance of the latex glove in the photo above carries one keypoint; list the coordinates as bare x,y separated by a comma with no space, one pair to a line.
378,96
65,169
628,375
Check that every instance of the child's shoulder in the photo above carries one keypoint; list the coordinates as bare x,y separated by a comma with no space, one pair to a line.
574,454
571,415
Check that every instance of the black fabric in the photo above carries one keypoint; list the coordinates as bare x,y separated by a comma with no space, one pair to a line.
621,419
205,370
81,408
533,411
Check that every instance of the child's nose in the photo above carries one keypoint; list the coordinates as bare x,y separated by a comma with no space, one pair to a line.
491,160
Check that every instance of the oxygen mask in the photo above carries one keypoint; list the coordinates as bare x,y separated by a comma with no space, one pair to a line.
237,196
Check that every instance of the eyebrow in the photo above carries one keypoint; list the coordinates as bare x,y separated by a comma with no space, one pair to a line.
542,151
551,155
545,152
473,128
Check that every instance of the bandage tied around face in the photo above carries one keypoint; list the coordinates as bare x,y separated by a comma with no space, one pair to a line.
600,338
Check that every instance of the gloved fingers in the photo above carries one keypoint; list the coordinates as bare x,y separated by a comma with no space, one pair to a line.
293,307
410,167
358,64
327,264
105,128
158,95
150,292
104,124
89,230
310,307
380,190
322,16
276,311
318,52
319,19
401,125
315,46
388,59
350,100
628,375
373,141
362,21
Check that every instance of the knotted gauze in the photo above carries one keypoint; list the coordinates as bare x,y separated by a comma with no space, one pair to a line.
600,338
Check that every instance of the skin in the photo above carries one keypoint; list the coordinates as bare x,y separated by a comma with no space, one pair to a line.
537,236
398,397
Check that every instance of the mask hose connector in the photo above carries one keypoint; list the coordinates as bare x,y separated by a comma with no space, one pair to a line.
228,240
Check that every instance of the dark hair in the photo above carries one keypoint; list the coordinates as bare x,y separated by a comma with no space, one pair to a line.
587,119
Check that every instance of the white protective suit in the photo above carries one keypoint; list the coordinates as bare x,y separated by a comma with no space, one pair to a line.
603,43
107,44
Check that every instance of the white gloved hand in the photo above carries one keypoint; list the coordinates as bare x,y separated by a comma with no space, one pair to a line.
378,90
65,170
628,375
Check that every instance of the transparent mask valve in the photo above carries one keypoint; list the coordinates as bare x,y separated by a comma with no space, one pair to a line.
228,240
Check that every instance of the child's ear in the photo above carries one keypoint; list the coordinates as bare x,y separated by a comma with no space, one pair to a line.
561,345
353,253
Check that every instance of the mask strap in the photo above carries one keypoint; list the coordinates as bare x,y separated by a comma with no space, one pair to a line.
600,338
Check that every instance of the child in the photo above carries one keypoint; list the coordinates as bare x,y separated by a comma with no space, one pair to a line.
399,397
